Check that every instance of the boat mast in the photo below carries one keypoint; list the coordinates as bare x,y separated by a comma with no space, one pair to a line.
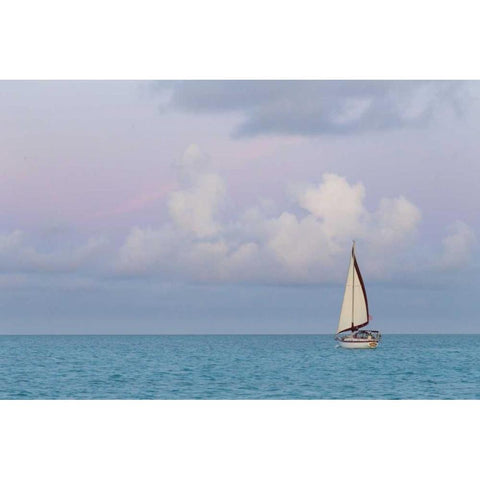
353,284
354,312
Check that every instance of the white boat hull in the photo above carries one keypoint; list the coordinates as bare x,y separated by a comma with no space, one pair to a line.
353,344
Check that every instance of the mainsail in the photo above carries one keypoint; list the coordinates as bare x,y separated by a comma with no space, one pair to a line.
354,314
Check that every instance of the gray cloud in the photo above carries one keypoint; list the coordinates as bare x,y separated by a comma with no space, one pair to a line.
306,107
458,246
19,254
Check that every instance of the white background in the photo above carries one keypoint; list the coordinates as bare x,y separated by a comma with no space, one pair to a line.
238,439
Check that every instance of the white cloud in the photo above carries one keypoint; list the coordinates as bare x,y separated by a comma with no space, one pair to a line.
193,162
314,246
258,246
338,204
392,230
146,250
194,207
458,246
308,244
298,244
396,219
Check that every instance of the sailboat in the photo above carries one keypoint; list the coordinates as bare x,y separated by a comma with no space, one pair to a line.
354,314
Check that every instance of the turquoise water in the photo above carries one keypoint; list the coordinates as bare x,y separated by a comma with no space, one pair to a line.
238,367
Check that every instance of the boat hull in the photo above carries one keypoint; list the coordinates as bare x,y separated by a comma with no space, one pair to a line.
363,345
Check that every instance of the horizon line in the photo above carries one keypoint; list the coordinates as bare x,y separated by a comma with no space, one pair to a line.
213,334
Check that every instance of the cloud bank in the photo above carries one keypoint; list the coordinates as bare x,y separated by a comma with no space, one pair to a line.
17,254
308,245
304,107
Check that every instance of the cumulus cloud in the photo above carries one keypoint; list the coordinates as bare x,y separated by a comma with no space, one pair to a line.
337,204
336,214
458,246
309,246
145,249
301,107
193,209
308,243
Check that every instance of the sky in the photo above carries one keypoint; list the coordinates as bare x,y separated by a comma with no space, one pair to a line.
230,206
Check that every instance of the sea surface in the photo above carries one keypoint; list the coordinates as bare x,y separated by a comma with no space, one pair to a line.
237,367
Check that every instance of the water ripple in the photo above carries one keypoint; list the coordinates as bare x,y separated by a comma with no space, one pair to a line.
237,367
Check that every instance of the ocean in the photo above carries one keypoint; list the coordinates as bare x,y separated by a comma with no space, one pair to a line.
237,367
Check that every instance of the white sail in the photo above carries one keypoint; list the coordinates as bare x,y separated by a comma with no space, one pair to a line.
354,313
